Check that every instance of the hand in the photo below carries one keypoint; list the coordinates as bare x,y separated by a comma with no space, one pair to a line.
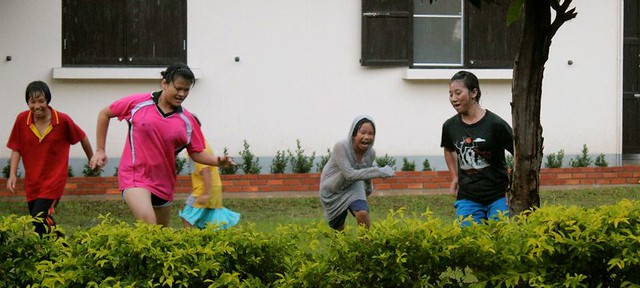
203,199
98,160
226,161
453,189
387,171
11,184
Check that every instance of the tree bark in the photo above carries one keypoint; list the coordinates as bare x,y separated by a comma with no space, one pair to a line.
523,193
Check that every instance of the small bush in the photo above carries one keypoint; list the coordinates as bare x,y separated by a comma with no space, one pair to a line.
70,171
279,163
115,174
88,172
180,164
583,160
249,161
301,163
230,170
509,161
323,161
6,170
426,166
408,166
386,160
601,161
555,160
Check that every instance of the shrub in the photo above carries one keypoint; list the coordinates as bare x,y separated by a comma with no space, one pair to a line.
601,161
555,160
249,161
386,160
583,160
6,170
426,166
115,173
323,161
279,163
552,246
88,172
230,170
509,161
300,163
70,171
181,162
408,166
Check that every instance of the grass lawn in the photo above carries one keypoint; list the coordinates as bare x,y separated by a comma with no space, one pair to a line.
268,213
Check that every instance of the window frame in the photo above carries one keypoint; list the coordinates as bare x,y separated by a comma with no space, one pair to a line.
99,33
503,48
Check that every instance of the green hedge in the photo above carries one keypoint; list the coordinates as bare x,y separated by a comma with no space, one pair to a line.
550,247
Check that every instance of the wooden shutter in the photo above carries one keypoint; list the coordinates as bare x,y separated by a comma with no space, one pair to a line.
489,42
92,33
387,33
156,32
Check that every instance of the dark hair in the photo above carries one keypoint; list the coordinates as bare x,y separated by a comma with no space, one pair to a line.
359,124
469,80
178,70
35,87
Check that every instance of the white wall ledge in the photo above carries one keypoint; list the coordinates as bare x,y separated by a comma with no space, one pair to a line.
112,73
445,74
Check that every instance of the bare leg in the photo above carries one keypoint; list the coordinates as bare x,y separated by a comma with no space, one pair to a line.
139,201
163,215
362,217
186,224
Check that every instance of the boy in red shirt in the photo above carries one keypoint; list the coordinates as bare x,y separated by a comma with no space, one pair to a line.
42,136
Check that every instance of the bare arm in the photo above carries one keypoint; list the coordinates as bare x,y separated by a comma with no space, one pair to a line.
86,146
13,171
99,158
206,180
451,159
208,159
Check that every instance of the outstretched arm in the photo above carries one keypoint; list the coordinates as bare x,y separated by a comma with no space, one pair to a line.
208,159
99,158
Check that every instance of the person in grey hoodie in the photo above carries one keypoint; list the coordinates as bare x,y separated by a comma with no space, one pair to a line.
345,181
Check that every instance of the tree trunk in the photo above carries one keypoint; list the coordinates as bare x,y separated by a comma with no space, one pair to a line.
524,191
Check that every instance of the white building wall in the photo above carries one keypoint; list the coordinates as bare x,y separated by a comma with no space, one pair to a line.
298,77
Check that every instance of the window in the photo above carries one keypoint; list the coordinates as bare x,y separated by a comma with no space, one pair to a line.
125,33
441,34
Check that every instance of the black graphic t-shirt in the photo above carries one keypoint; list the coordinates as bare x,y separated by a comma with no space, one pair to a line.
482,172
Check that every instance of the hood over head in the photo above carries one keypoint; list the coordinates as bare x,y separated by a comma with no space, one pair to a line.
355,126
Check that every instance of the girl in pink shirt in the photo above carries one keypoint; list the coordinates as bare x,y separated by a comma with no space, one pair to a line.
159,128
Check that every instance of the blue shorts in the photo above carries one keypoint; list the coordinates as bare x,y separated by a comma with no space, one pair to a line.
357,205
479,212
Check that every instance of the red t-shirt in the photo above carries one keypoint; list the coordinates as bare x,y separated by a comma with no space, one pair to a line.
46,161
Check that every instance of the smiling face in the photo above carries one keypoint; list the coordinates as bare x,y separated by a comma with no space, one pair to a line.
175,92
364,137
38,105
460,97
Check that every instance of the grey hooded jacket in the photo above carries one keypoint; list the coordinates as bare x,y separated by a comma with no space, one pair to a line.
344,179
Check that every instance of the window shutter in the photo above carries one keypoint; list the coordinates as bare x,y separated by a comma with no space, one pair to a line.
156,32
91,33
387,33
490,43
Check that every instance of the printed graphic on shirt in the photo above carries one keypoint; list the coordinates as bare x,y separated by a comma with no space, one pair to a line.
470,157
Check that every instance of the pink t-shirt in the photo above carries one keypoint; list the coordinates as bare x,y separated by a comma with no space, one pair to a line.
154,139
